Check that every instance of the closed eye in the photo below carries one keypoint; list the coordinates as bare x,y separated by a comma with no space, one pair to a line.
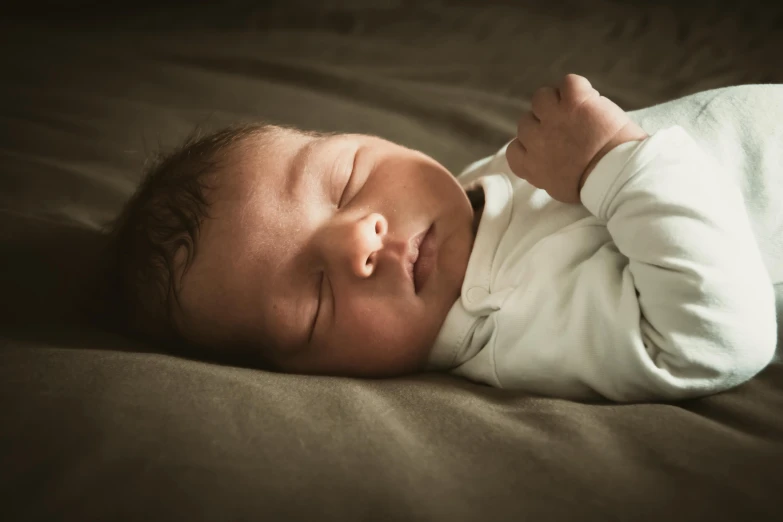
318,308
343,198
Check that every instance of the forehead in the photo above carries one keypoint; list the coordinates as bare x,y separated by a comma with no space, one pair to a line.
255,200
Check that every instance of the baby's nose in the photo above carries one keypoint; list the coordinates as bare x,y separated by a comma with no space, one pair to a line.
365,239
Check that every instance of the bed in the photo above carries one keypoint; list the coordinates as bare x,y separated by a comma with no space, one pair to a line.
96,426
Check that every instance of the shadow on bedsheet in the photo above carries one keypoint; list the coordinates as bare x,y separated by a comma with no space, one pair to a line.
54,294
49,273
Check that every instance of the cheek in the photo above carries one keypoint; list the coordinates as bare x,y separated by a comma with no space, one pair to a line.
372,326
371,320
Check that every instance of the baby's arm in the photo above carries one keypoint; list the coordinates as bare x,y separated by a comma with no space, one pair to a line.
692,312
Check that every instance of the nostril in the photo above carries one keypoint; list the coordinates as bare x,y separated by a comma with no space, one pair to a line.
378,227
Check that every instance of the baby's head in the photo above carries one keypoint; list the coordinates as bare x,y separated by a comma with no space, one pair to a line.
295,250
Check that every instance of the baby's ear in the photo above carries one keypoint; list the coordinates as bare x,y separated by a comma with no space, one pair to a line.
181,259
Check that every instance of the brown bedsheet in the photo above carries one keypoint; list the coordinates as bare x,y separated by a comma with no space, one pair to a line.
97,427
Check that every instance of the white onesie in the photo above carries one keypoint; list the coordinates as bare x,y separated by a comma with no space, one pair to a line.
658,287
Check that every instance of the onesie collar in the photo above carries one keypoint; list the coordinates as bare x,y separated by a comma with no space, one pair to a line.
474,304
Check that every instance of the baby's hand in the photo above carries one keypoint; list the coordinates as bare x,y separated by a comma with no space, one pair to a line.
568,131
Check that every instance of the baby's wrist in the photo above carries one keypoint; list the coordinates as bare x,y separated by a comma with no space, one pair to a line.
630,132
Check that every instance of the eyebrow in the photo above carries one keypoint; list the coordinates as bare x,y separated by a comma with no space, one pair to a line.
297,170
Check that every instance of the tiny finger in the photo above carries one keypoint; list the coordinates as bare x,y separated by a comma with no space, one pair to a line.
576,89
526,126
544,100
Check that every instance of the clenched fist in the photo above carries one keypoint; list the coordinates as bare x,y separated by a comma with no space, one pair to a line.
569,130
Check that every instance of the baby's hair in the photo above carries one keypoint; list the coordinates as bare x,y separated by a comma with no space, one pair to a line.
160,221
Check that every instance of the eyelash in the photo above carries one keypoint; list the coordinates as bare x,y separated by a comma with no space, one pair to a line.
318,309
350,177
345,190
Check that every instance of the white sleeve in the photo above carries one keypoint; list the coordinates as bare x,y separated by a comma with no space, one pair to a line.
693,311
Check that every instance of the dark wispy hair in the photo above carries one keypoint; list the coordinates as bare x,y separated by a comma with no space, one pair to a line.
162,217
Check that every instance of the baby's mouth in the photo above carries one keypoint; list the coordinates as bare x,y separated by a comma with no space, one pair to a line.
422,257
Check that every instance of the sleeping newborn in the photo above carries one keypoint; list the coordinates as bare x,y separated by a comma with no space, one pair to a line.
584,260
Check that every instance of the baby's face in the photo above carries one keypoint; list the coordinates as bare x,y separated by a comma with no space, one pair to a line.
335,255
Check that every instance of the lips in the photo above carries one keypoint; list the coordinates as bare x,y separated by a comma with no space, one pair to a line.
424,258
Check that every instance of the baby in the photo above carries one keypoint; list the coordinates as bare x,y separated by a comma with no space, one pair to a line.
585,260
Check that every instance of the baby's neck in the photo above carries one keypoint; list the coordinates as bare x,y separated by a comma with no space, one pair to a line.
475,194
